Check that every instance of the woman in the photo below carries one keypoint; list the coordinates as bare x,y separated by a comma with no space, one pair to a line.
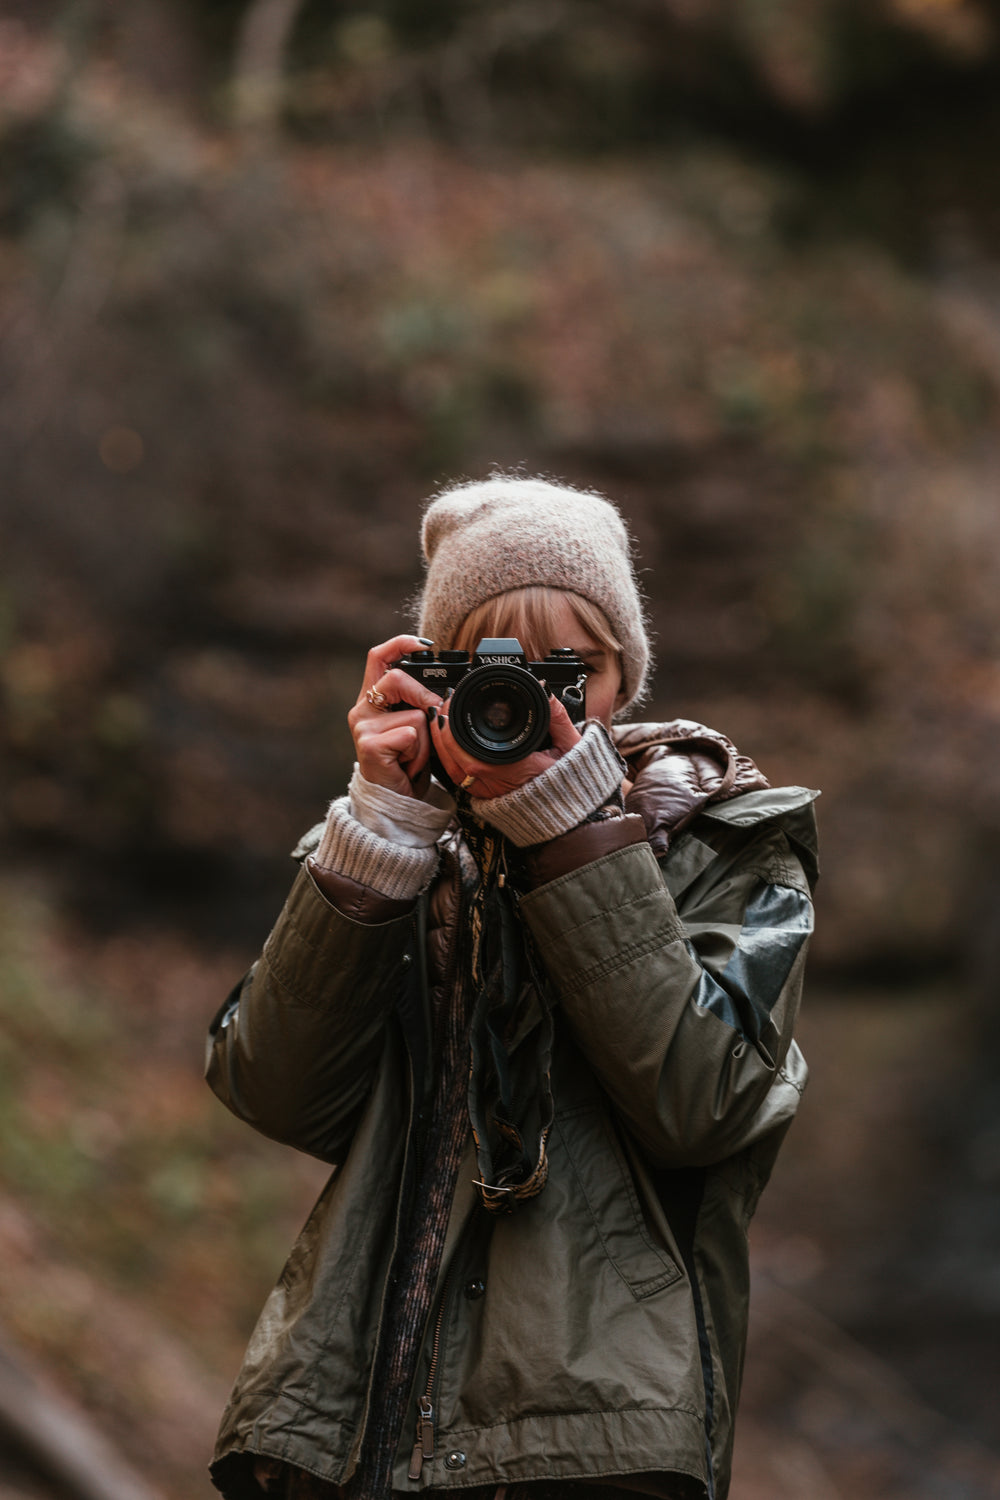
539,1017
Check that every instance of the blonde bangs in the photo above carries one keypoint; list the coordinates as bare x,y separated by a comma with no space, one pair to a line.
531,616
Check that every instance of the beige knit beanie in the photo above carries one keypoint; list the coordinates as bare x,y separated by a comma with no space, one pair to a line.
502,533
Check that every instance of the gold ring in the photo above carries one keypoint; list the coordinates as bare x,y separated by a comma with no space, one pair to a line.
375,698
467,782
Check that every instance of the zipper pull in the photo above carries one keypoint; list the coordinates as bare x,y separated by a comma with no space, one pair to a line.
423,1448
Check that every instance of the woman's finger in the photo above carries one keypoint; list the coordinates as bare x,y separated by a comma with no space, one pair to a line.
396,686
445,747
456,762
372,726
401,744
392,749
563,731
487,780
381,658
394,758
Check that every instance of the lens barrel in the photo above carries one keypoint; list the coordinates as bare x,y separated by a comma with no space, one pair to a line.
499,714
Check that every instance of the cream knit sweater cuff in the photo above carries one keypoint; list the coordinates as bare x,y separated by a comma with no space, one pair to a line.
560,798
350,849
415,822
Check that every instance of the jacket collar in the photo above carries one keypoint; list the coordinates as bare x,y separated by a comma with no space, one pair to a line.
676,770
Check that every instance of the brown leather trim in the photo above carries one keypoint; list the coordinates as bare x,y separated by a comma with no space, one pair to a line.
581,846
355,900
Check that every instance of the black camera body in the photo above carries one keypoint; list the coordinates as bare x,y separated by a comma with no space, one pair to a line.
499,708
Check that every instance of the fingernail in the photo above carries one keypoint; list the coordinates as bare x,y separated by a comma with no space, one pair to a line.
430,713
424,641
440,721
448,694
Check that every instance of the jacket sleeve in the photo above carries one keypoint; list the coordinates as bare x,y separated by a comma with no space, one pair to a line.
685,1016
294,1050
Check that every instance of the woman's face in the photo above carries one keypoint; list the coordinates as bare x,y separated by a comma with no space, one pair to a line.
604,681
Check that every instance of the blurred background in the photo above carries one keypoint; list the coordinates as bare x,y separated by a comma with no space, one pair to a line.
271,271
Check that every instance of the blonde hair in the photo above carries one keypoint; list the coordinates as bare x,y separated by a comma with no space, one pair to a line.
530,615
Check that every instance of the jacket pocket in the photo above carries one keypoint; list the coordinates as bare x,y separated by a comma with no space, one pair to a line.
606,1183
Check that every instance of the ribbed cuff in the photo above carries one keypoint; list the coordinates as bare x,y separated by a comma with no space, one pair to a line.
410,821
560,798
393,870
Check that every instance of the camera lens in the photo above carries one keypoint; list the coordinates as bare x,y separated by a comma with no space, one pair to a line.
499,714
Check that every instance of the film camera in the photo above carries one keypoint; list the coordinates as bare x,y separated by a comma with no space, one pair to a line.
499,710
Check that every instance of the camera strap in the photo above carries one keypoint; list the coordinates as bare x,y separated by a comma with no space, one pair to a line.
511,1156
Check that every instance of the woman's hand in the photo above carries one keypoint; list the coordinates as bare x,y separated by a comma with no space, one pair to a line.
483,780
393,748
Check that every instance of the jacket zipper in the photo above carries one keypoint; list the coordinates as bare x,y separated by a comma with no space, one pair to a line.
423,1448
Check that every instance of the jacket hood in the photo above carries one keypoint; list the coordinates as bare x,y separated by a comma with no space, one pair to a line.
676,770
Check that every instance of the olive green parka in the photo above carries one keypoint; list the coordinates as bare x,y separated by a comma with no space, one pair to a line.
598,1330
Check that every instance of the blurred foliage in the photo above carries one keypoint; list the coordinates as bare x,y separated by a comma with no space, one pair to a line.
127,1197
591,75
235,361
271,272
